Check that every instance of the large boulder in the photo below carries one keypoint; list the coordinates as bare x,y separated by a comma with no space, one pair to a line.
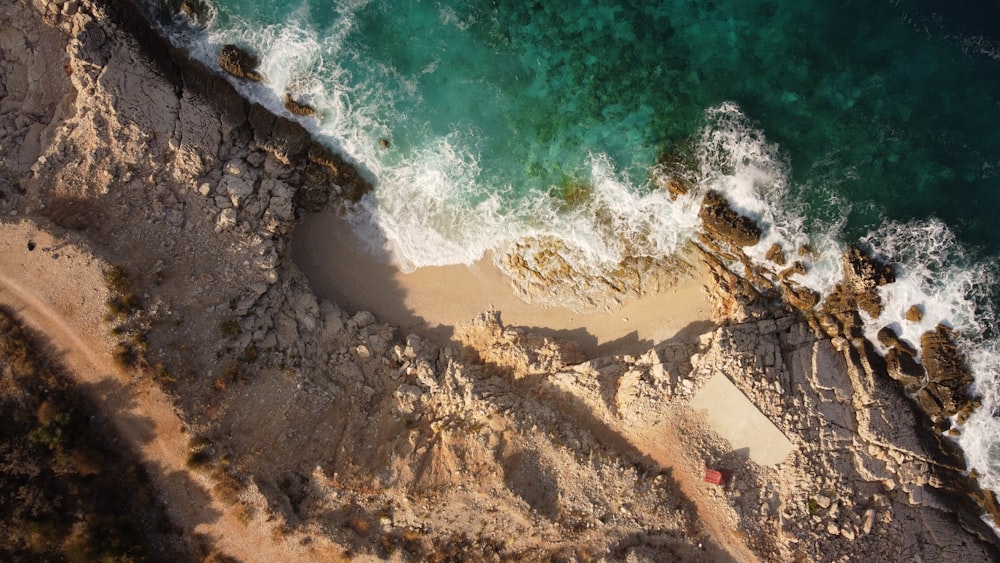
239,63
725,223
863,275
942,360
776,254
890,339
948,376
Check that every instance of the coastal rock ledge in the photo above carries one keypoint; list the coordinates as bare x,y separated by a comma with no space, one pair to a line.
239,63
147,211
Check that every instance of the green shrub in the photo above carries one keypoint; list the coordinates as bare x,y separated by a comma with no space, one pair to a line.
123,305
117,279
229,327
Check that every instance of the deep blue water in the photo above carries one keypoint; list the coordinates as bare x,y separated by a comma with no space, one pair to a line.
513,121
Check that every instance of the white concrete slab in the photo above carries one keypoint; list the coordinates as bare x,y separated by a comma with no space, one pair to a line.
732,416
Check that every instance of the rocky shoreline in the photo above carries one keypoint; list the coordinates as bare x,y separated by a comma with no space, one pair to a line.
336,434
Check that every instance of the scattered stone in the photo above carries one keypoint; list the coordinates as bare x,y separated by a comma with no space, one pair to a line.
914,314
869,521
227,219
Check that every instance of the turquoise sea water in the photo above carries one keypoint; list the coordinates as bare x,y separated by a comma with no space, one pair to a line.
512,121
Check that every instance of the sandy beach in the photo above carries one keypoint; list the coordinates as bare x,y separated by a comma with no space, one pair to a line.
434,300
161,237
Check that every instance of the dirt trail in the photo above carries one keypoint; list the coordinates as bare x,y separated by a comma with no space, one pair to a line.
662,444
663,449
56,290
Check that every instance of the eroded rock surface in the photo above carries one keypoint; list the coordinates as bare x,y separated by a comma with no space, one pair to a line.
331,429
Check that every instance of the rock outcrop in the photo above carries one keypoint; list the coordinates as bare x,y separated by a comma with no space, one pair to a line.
239,63
948,377
863,275
721,219
298,108
332,429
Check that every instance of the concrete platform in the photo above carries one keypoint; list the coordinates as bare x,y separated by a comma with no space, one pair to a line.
732,416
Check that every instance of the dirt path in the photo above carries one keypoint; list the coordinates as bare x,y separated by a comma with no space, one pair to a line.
57,290
661,445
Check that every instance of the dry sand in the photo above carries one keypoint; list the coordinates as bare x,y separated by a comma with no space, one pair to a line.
433,300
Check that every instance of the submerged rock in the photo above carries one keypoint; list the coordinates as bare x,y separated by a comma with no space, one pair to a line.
239,63
914,314
298,108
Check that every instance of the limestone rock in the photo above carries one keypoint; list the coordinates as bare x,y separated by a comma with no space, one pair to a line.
904,368
799,296
238,189
941,357
914,314
797,268
724,222
227,219
193,9
677,188
776,254
513,351
863,275
928,402
312,197
318,154
287,140
239,63
298,108
888,338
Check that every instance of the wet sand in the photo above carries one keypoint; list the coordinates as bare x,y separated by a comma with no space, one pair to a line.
431,301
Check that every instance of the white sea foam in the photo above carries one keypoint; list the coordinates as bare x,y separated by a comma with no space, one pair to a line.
935,273
736,160
431,207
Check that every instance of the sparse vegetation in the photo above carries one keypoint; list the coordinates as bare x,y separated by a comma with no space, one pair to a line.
229,327
117,279
125,355
64,493
250,354
124,305
233,373
197,459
